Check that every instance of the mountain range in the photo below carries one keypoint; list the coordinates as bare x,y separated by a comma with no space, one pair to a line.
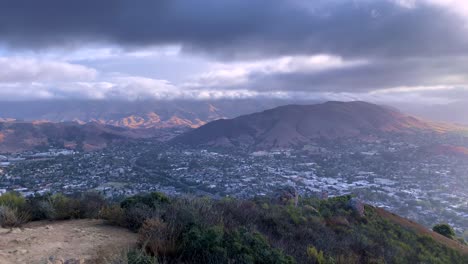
18,136
133,114
281,127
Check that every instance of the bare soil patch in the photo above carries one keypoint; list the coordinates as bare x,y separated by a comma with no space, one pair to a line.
74,241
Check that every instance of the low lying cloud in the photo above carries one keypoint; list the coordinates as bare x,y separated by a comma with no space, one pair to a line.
236,74
318,77
32,70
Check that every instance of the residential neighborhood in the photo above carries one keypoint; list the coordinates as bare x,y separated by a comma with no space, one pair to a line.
398,176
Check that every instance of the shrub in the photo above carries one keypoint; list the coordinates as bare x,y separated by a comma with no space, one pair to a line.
138,257
90,205
135,216
12,217
203,245
40,208
244,246
158,238
315,256
63,208
133,256
445,230
113,214
13,200
185,211
151,200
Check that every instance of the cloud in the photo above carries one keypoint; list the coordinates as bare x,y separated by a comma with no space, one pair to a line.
333,74
225,75
33,70
119,87
209,49
459,7
319,77
241,28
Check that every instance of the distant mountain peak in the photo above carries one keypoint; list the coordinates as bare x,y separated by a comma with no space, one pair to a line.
294,125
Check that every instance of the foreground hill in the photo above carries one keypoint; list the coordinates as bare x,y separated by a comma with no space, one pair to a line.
21,136
282,230
294,125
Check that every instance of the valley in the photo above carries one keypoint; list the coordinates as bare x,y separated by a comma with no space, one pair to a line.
401,177
415,168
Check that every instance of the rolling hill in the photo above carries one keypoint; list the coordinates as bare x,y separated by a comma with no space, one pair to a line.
20,136
293,125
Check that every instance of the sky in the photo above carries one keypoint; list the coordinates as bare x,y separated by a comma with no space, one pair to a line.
406,51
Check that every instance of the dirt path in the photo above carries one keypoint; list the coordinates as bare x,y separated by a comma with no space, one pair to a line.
62,242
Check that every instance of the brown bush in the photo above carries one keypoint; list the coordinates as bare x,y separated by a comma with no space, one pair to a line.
90,204
158,238
12,217
113,214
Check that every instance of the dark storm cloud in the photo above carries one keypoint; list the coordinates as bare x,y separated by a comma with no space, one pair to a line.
237,28
368,77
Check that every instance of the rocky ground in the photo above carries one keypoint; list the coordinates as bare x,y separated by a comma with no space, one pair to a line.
74,241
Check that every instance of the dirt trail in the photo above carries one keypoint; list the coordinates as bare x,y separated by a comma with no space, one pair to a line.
62,242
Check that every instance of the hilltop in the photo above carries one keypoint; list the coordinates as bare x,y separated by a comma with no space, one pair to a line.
285,229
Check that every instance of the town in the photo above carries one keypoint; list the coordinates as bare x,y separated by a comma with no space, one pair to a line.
404,178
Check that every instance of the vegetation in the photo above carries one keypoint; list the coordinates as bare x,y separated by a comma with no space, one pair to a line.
16,210
202,230
13,210
445,230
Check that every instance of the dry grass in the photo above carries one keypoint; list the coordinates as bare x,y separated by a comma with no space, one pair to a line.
453,244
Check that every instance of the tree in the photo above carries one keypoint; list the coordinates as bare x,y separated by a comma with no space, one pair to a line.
445,230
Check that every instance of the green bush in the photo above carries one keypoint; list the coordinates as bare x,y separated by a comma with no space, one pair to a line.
315,256
151,200
113,214
138,257
63,207
13,210
244,246
445,230
12,200
203,245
